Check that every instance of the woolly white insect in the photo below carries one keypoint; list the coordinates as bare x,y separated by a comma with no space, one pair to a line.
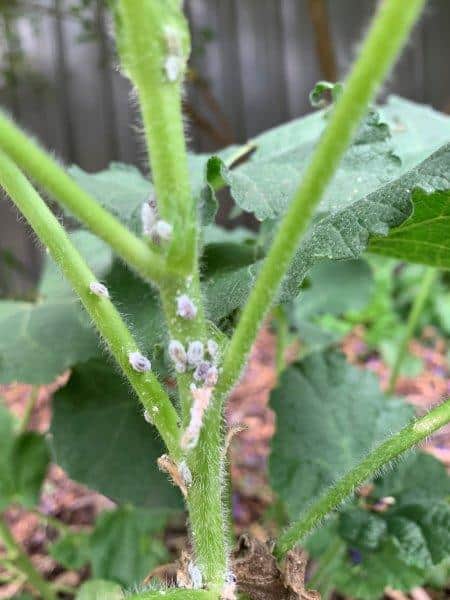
196,576
178,354
195,353
186,309
149,216
99,289
185,473
139,362
163,230
201,372
213,349
148,417
202,397
212,376
174,63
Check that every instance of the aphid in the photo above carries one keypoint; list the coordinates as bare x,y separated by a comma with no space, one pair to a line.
195,353
185,473
139,362
148,417
196,575
186,309
173,67
163,230
202,397
201,372
213,349
149,216
99,289
178,354
212,376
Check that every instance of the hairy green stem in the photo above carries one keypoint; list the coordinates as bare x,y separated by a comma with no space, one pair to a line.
153,42
409,436
103,313
413,318
48,174
386,37
23,564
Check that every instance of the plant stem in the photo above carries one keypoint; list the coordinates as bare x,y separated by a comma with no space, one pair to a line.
31,403
386,37
405,439
24,564
103,313
413,318
149,32
45,171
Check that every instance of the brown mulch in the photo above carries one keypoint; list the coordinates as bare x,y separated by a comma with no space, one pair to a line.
77,506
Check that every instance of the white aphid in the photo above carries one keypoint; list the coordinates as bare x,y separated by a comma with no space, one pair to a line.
148,417
201,372
163,230
99,289
213,349
212,376
202,397
196,576
186,309
178,355
195,353
173,66
139,362
185,473
149,217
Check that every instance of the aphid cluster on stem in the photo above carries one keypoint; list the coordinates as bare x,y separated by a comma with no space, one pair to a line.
205,370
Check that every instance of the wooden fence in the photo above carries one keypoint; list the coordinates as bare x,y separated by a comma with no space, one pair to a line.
255,62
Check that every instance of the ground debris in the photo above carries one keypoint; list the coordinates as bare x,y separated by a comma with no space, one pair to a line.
259,576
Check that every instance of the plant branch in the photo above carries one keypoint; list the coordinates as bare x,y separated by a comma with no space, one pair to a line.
48,174
23,564
31,403
386,37
408,437
103,313
324,43
153,40
413,317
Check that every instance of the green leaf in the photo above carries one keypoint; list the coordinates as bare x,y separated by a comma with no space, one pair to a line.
98,589
424,237
335,288
121,189
30,458
123,547
101,439
71,550
24,461
399,546
42,339
329,415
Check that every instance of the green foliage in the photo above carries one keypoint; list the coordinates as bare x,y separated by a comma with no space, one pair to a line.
24,459
329,415
397,546
41,339
98,589
71,550
96,412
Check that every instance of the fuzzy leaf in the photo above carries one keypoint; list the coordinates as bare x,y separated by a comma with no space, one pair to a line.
41,339
399,546
123,547
329,415
71,550
24,461
101,439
